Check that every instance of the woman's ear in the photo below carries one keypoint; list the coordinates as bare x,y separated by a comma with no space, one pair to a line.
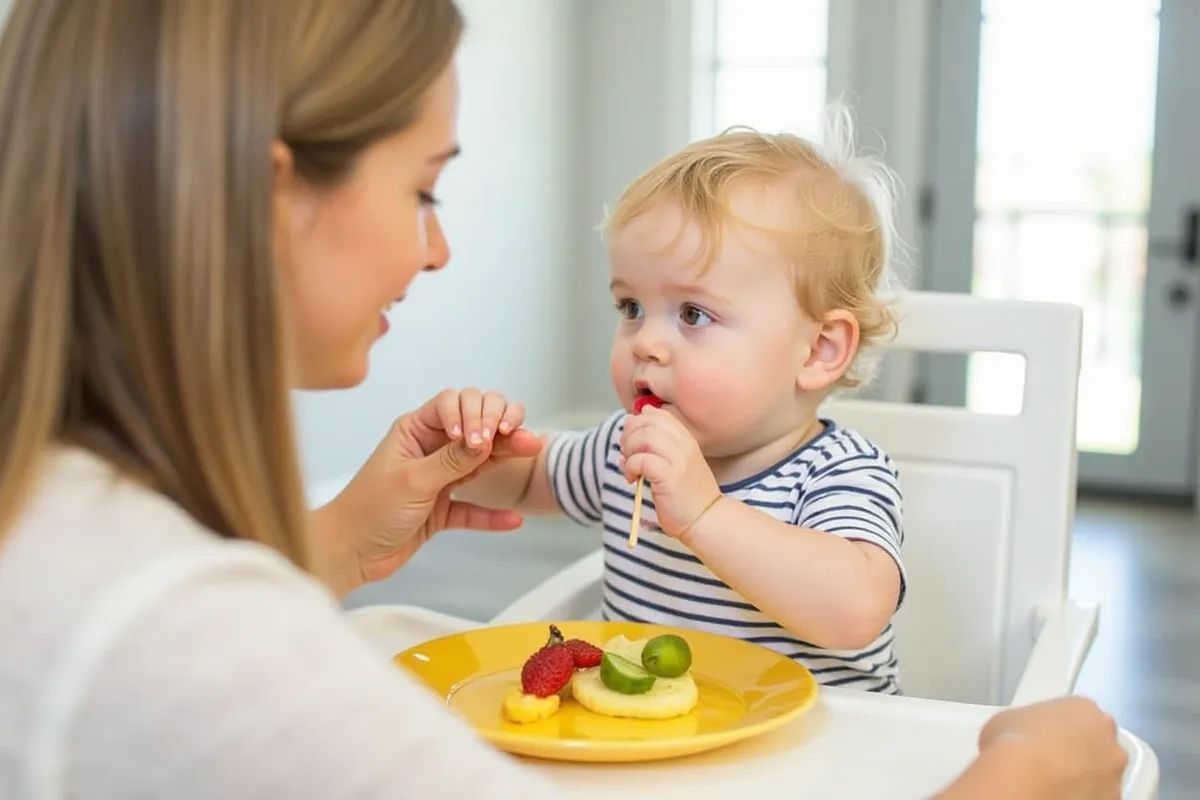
283,169
832,346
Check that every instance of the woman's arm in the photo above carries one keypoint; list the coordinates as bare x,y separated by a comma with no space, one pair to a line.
1002,771
1065,749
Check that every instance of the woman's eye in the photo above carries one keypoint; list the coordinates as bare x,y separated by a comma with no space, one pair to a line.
694,316
629,309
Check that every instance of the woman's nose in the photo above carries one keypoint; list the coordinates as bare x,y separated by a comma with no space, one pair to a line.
437,249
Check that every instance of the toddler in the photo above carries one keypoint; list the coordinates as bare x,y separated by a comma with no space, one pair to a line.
748,273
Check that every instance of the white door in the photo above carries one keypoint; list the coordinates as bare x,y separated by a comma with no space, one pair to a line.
1065,165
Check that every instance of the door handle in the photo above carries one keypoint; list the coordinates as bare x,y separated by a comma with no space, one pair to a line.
1187,249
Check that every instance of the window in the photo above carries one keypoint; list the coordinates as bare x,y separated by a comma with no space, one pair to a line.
768,65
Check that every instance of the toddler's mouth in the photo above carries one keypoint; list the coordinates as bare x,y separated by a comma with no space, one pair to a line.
645,396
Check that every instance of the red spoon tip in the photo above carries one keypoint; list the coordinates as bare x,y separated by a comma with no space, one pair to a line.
646,400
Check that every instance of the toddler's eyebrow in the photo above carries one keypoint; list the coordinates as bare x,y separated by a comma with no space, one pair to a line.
618,286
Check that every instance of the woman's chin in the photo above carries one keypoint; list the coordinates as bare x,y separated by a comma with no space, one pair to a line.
347,375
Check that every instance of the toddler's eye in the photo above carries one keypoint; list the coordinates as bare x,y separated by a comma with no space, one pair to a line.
694,316
629,309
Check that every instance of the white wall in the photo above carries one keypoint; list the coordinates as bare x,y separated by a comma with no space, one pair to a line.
495,317
632,110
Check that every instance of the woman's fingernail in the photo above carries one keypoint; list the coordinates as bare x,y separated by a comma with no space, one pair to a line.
505,426
487,433
456,430
475,440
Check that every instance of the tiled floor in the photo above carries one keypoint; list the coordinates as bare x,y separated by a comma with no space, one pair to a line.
1141,562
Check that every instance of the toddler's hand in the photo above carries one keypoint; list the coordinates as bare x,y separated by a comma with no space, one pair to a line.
477,417
658,447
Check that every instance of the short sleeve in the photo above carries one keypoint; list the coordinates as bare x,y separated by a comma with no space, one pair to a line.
241,684
576,463
856,495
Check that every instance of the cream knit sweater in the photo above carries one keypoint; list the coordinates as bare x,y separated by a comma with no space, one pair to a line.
143,657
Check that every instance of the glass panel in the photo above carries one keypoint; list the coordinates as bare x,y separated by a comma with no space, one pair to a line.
772,30
1066,126
771,99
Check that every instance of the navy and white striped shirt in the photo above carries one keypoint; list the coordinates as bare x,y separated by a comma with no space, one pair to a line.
839,483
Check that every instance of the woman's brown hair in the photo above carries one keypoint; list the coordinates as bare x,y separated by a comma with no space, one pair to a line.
141,307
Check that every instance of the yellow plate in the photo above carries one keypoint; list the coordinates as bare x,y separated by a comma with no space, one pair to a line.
745,690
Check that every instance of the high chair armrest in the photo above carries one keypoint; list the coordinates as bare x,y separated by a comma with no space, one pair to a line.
1061,644
571,593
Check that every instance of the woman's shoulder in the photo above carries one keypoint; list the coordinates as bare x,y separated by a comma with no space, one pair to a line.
98,562
86,529
154,659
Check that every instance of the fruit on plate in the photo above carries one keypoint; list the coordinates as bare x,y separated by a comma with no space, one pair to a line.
525,708
585,654
667,656
624,676
546,673
662,698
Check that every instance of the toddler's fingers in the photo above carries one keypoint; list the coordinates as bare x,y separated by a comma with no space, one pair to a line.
513,418
646,440
666,421
494,404
650,466
470,402
448,413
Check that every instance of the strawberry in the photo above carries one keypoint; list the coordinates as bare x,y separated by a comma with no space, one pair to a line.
549,670
646,400
585,654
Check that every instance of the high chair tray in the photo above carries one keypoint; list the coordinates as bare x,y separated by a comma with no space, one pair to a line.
850,745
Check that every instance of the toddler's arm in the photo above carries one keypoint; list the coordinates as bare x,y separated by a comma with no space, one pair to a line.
833,576
517,483
564,478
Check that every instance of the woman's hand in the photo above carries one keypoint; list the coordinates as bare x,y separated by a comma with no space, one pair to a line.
402,495
1070,744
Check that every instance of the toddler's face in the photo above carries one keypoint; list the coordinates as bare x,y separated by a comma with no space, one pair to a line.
722,349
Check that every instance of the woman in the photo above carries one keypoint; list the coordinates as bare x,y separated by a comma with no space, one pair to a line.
205,205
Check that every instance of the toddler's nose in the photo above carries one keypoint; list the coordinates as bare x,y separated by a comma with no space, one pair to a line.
650,345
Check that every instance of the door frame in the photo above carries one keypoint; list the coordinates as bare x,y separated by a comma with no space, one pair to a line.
1165,461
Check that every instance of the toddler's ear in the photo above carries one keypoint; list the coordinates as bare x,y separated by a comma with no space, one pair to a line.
832,345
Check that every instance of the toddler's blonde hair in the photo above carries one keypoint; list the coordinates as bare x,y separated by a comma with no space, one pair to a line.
844,243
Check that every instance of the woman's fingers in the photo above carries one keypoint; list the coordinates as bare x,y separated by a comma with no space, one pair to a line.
472,517
520,443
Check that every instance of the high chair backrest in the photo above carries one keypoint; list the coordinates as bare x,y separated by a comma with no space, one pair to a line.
988,499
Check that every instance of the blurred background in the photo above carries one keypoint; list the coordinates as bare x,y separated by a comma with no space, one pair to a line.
1049,149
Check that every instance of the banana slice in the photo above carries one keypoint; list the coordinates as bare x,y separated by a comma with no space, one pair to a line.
667,698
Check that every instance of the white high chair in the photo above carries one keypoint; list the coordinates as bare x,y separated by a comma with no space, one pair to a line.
989,505
988,508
